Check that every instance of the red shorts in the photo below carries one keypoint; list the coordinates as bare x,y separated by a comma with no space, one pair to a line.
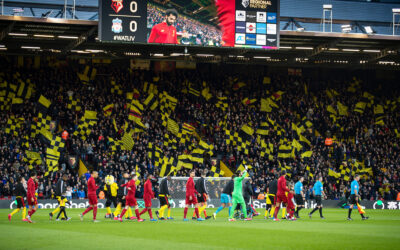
147,202
30,203
92,199
290,205
131,201
191,202
281,198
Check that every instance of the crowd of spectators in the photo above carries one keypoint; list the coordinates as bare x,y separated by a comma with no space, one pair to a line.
358,137
191,31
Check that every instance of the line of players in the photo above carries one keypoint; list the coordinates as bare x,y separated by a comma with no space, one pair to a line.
122,196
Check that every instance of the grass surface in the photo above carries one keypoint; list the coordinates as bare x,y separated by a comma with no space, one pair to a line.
381,231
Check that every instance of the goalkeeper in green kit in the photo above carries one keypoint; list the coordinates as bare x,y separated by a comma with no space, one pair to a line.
237,196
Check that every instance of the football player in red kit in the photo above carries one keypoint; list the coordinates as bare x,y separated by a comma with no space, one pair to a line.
30,195
92,188
165,32
290,202
281,194
130,200
148,194
191,198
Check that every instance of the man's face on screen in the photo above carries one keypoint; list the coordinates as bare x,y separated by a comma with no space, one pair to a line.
171,19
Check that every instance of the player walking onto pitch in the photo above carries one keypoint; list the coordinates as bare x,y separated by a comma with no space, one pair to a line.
163,197
202,195
92,196
299,196
147,196
31,197
271,199
281,194
19,193
111,190
237,196
354,198
121,197
318,191
226,197
62,201
191,197
131,199
61,186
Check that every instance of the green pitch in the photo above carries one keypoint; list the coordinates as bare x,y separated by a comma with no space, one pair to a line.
382,231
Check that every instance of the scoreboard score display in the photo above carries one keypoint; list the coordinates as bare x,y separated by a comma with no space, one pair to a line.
122,20
239,23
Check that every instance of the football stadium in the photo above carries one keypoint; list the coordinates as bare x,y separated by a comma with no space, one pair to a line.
204,124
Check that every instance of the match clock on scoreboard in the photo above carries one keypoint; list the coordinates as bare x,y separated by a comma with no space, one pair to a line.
123,20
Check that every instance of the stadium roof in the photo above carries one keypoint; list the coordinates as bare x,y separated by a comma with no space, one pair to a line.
27,35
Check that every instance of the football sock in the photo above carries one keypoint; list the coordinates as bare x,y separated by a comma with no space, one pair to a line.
196,210
30,213
203,208
272,213
276,212
350,212
137,214
219,209
117,210
320,211
185,212
55,211
24,213
94,212
252,208
108,210
244,210
87,210
143,211
150,213
15,211
123,213
161,211
169,212
315,209
284,212
229,211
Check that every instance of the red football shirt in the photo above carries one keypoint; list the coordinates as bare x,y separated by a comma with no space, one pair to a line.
148,192
190,189
163,33
282,189
31,188
92,186
131,186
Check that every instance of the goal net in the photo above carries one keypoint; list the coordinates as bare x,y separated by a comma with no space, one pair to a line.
214,185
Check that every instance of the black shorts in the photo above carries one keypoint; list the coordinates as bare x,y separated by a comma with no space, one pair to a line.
20,202
163,201
271,199
122,201
318,200
111,200
202,198
299,200
352,199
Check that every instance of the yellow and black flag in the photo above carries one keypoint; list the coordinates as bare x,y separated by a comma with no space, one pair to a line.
151,101
74,104
216,173
43,105
108,109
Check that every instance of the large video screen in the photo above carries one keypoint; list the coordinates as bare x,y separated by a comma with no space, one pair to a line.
220,23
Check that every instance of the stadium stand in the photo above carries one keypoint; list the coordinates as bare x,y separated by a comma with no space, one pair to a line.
165,123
